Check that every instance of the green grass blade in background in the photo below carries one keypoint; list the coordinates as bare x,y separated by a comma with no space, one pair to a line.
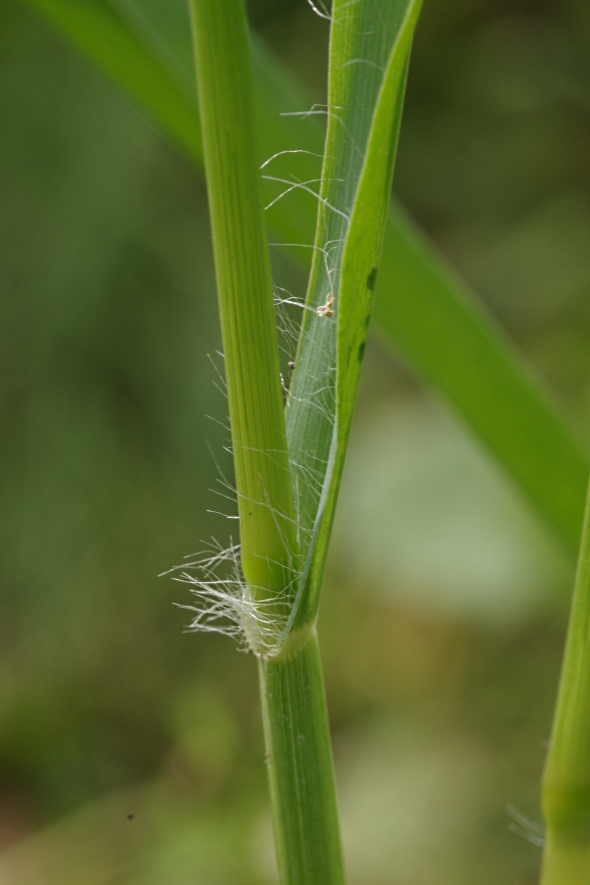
457,348
165,28
103,34
369,51
566,780
472,364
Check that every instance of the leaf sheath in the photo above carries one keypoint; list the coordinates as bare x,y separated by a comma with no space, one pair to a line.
267,534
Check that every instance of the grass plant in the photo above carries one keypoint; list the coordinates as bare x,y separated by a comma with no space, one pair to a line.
289,461
286,501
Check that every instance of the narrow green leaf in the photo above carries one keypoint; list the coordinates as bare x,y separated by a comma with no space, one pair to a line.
369,51
104,35
566,780
421,307
458,348
244,288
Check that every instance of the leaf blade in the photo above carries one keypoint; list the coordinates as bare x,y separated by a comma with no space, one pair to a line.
367,76
104,35
451,341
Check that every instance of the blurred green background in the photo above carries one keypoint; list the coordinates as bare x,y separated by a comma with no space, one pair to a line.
130,751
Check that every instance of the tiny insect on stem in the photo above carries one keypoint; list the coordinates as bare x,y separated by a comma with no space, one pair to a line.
325,310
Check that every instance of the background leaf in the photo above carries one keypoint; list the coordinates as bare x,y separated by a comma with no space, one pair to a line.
472,363
103,34
460,350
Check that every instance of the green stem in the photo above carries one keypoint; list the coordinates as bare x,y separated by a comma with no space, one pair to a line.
300,766
566,781
242,264
565,862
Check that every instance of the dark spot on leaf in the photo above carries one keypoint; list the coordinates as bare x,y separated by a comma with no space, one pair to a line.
361,351
372,279
130,816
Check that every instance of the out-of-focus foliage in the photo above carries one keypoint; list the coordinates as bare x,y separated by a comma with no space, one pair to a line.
440,692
